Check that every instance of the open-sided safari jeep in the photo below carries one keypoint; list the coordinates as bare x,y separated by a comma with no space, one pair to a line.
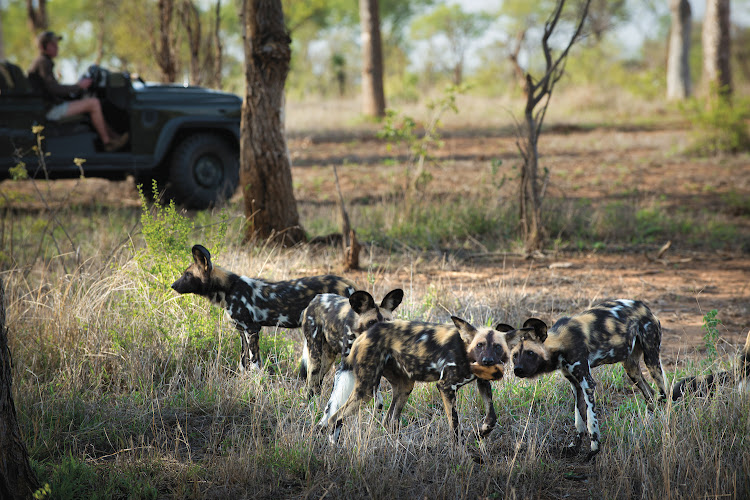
187,138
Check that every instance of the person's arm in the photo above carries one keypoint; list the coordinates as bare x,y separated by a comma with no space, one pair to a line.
52,85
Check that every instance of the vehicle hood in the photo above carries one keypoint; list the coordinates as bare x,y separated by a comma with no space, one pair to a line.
164,94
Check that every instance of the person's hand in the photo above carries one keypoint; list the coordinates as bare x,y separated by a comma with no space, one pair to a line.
85,83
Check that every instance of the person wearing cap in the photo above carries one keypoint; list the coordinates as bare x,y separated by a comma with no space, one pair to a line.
66,100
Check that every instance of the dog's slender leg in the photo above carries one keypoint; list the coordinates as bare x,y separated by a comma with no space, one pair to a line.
633,369
588,385
653,363
254,345
490,419
323,365
402,388
361,394
449,402
250,349
379,403
651,345
579,412
314,373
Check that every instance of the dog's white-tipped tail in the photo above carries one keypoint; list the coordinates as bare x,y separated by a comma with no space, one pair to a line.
343,385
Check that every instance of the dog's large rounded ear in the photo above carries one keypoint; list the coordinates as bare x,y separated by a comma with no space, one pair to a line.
538,327
392,299
361,302
513,337
466,330
202,257
502,327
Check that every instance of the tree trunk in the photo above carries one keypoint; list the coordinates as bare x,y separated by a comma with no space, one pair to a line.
17,479
717,77
678,57
192,22
539,92
530,200
458,73
518,71
265,166
100,30
350,245
36,15
373,96
165,48
218,63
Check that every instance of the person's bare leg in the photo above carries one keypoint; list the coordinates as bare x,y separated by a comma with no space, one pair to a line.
93,108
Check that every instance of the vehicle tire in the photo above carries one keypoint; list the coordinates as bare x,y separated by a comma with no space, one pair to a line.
203,171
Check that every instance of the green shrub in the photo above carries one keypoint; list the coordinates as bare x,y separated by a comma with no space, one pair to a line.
167,234
711,337
719,125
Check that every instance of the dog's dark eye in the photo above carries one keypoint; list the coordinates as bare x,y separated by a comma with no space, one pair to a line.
480,345
531,355
370,323
498,348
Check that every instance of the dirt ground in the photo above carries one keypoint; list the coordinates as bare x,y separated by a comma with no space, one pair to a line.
599,164
605,164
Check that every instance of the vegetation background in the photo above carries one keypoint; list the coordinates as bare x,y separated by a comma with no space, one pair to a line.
125,390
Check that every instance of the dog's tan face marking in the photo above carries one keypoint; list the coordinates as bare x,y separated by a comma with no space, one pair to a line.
529,356
488,352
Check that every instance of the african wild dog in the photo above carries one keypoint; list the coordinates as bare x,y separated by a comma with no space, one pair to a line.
702,386
609,332
251,302
330,326
406,352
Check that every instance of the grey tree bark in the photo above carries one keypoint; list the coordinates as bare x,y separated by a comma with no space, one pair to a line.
717,76
679,85
191,19
163,43
373,95
218,48
265,166
36,16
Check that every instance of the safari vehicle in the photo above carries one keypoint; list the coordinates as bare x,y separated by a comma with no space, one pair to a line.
187,138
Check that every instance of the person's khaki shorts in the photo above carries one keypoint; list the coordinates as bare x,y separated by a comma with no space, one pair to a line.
58,111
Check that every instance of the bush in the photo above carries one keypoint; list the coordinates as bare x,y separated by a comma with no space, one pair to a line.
719,125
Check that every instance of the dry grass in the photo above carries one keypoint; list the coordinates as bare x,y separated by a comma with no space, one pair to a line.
110,377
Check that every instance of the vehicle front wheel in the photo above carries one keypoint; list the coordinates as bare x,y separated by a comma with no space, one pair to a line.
203,171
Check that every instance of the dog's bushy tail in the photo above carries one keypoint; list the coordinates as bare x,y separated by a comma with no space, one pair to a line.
302,368
702,386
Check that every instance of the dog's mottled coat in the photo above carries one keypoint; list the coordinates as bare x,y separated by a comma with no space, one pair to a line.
330,327
252,303
406,352
610,332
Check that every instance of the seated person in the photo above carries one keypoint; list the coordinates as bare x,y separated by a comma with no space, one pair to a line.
64,100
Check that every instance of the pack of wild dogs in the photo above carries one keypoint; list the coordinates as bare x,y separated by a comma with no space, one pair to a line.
339,321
